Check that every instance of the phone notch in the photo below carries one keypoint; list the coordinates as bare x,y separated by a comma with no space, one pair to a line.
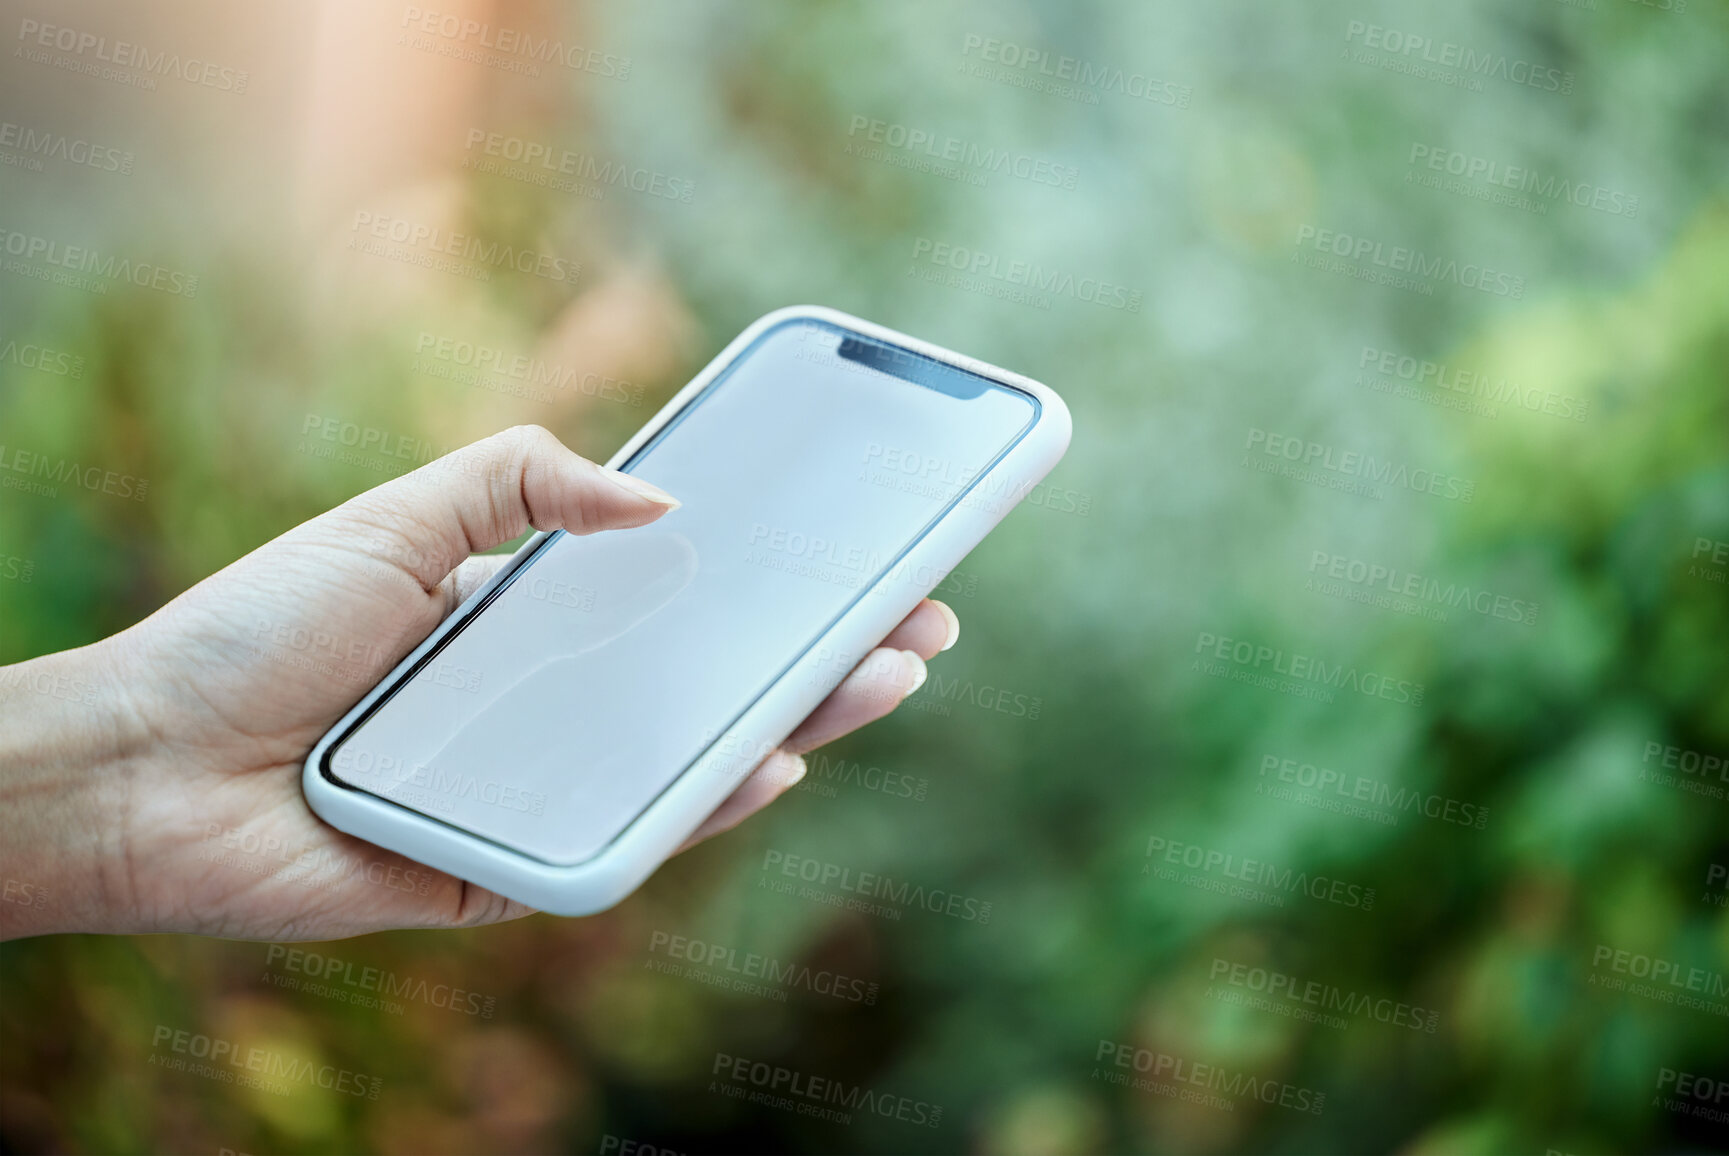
913,367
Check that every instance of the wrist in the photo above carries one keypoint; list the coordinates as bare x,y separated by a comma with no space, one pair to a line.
72,747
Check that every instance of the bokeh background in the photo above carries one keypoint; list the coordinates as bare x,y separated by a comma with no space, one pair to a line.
1533,803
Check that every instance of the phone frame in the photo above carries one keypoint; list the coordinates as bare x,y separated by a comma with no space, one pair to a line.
662,826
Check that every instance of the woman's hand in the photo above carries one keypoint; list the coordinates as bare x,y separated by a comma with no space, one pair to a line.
151,782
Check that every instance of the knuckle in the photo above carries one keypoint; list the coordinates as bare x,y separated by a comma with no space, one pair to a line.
513,446
533,438
491,909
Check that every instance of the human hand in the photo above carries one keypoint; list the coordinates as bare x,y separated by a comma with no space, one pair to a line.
152,781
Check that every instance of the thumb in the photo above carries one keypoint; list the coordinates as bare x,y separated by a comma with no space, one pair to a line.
491,491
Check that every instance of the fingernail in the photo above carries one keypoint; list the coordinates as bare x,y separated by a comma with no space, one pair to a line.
954,622
917,666
641,489
791,770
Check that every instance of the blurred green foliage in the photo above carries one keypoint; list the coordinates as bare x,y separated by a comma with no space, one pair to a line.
1546,727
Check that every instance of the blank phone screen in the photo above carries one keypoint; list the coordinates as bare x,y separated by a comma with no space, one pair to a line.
610,662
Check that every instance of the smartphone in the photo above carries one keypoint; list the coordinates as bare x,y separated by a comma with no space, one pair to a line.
563,732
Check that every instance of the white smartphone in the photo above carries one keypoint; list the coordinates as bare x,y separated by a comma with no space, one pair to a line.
566,729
